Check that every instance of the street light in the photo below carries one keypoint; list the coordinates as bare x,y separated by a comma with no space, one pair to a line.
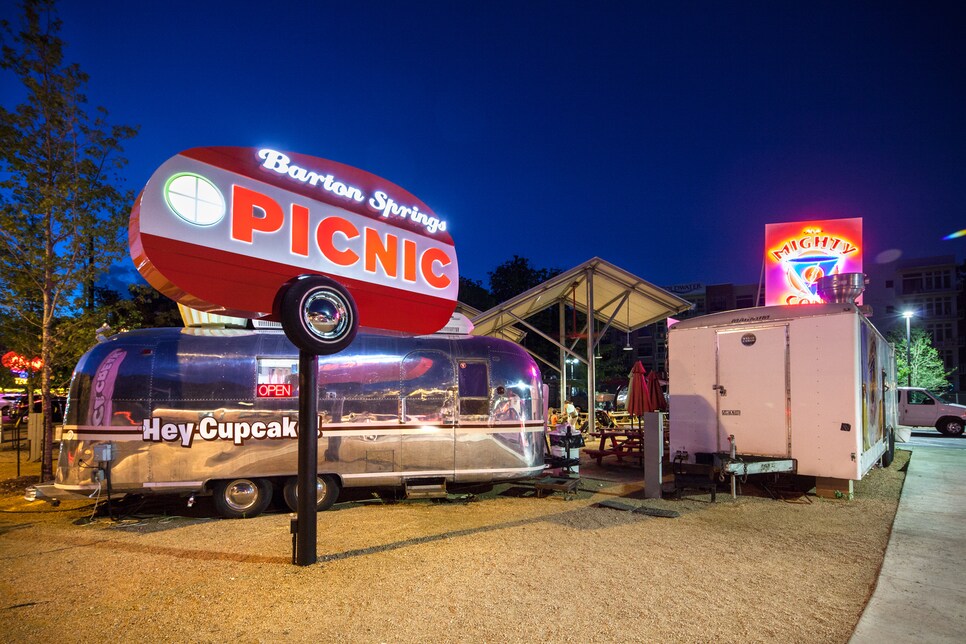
571,362
908,315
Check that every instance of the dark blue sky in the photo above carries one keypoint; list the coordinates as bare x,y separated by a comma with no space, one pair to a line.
661,136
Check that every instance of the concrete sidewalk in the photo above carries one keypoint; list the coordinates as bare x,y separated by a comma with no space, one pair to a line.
921,592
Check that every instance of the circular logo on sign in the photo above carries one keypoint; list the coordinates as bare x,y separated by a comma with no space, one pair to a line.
748,339
194,199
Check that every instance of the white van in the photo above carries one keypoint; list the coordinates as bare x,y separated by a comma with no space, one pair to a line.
923,408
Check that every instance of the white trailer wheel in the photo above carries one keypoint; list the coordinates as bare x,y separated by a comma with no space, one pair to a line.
327,490
318,315
242,498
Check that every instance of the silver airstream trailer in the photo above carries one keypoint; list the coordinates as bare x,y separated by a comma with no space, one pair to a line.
215,411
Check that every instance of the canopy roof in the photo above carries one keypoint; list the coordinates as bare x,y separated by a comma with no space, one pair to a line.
512,334
619,298
601,291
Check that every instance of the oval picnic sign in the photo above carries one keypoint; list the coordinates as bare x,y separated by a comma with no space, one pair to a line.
223,229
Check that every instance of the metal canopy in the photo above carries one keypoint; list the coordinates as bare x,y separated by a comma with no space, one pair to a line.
619,299
646,303
512,334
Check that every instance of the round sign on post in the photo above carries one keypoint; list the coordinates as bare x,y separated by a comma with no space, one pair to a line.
322,247
227,229
318,315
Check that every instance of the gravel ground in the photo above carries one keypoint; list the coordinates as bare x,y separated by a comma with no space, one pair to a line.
501,567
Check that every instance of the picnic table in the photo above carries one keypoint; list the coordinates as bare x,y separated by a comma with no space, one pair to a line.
624,442
622,419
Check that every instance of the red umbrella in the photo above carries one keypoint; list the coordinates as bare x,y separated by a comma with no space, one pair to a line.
637,398
654,393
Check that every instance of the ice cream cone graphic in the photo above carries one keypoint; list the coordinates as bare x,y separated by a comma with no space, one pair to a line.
804,272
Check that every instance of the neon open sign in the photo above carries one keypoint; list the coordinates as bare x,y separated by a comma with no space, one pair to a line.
227,230
275,391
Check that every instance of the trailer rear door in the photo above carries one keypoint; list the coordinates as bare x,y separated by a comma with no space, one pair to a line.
752,390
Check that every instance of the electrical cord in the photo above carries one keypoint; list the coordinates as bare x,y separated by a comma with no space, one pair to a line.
96,501
83,507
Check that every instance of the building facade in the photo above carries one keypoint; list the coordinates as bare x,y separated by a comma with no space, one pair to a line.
932,288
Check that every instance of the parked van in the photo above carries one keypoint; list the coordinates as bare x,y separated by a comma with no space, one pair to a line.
215,411
920,407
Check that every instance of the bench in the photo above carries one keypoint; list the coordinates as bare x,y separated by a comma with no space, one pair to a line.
599,454
621,454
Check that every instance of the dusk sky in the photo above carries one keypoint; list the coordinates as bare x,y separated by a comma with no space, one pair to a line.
660,136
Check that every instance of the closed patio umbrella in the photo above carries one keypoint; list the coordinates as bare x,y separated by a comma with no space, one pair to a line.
655,394
637,396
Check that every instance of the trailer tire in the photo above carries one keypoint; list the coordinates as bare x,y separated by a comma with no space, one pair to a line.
890,453
328,491
242,498
950,427
318,314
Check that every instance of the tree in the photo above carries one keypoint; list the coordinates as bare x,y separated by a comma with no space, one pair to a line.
61,216
928,370
516,276
472,292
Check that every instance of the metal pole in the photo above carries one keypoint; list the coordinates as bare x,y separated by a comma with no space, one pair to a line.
564,356
591,350
908,352
307,523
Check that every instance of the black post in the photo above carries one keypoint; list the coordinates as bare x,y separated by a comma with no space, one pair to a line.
16,429
305,538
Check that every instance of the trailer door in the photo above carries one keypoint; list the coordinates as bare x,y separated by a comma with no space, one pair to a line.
752,390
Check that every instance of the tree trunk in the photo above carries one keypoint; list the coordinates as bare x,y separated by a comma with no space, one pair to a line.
46,352
47,459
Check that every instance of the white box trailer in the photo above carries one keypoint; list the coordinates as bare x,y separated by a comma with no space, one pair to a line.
811,385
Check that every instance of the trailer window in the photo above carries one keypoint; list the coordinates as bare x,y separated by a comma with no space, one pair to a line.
474,389
359,388
277,378
521,381
427,381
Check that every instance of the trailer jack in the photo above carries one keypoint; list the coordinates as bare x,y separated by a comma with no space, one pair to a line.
733,465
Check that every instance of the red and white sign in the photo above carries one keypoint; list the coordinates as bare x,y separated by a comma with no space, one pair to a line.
221,229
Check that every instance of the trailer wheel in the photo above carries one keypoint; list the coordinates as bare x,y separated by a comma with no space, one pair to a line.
890,453
242,498
318,314
327,490
951,427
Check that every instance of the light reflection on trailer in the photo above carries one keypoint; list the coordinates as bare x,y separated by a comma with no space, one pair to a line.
198,411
